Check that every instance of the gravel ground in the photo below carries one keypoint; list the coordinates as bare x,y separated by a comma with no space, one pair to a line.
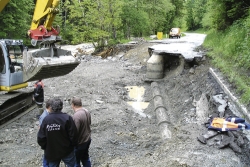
122,135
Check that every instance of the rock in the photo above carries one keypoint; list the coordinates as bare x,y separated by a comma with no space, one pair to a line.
99,101
202,139
223,104
235,147
202,109
133,42
225,141
240,141
153,37
120,56
192,71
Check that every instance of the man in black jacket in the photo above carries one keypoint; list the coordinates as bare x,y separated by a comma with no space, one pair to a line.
57,136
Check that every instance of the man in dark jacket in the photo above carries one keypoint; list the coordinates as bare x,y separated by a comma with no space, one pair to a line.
57,136
38,96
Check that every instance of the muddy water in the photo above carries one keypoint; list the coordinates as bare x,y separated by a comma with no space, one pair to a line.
136,95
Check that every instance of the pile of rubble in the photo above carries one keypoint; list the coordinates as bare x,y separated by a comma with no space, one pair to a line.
222,135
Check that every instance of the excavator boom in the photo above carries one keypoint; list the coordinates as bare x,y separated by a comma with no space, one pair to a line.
3,3
41,29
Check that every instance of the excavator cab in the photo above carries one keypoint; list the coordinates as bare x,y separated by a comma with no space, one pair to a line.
18,65
8,76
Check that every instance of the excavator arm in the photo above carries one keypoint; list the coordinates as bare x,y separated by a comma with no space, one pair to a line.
41,29
3,3
44,14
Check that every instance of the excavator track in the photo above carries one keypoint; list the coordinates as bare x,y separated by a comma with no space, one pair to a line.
14,103
9,121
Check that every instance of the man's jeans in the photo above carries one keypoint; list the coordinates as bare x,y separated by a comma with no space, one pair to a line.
69,160
40,108
45,162
82,155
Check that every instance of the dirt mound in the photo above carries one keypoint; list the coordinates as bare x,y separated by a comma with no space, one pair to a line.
139,53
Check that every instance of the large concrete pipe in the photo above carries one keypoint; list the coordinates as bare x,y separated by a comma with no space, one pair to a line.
155,66
163,118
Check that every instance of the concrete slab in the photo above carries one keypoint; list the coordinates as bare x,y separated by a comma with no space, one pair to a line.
179,46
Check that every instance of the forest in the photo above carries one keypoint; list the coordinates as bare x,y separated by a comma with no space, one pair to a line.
226,23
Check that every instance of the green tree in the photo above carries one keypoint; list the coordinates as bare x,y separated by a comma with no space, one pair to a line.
222,14
216,12
135,20
178,12
162,14
93,20
236,9
15,19
104,21
76,25
195,11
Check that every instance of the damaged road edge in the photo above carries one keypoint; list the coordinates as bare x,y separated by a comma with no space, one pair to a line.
234,99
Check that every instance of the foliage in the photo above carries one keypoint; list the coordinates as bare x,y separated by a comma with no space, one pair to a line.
98,21
200,31
172,16
222,14
16,18
93,20
135,20
195,10
231,54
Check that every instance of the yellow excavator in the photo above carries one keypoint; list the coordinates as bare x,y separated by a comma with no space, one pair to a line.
18,65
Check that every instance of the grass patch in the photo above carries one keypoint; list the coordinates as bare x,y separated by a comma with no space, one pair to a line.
124,41
230,53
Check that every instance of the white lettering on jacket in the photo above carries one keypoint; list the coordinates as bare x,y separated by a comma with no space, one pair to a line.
53,127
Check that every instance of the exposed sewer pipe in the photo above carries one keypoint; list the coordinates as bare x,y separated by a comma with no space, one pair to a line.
155,66
163,119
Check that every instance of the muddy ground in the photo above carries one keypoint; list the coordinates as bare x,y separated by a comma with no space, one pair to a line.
123,136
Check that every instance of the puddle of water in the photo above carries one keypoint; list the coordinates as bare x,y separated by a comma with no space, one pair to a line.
138,105
136,93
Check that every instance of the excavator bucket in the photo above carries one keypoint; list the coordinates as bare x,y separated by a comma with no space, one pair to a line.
47,63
